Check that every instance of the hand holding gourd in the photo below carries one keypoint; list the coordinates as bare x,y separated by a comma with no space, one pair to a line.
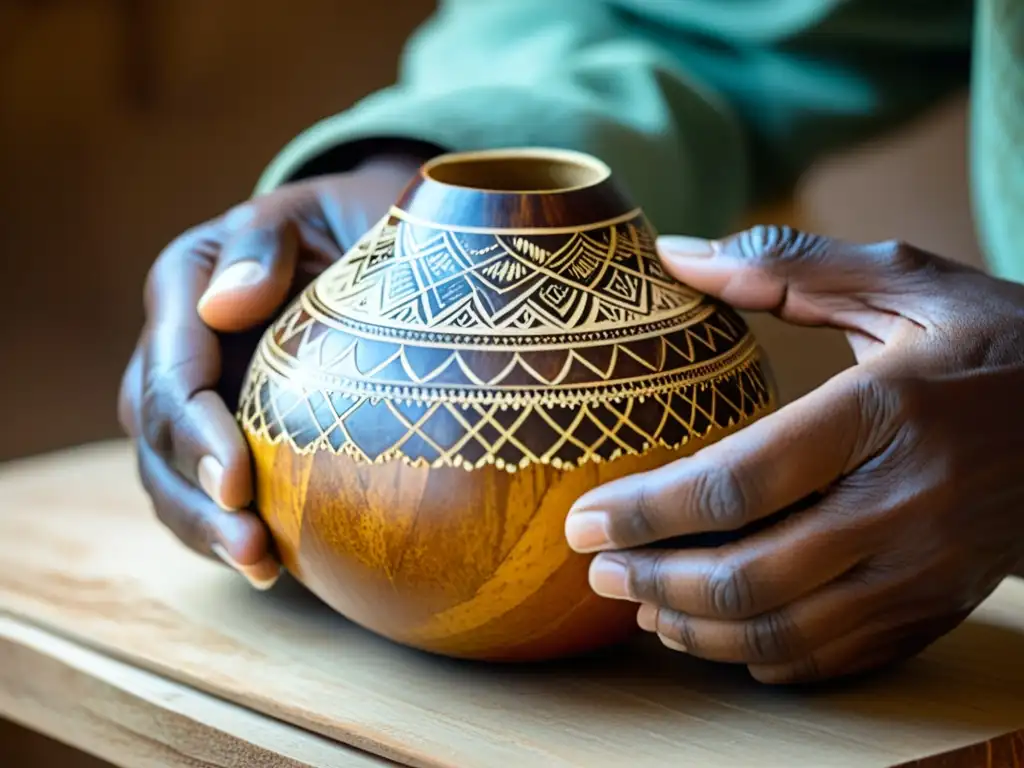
917,450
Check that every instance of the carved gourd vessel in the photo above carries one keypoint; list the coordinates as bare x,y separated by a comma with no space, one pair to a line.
424,415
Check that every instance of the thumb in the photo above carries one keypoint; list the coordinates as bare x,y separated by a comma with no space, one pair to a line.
254,271
803,278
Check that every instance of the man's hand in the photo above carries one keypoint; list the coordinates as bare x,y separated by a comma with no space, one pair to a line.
917,452
209,297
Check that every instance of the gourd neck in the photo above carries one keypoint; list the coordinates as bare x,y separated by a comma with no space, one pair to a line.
514,190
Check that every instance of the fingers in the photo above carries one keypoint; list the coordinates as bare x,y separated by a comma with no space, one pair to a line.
748,578
238,538
205,440
764,468
809,279
182,419
864,649
846,627
866,618
230,275
187,438
254,270
210,449
789,634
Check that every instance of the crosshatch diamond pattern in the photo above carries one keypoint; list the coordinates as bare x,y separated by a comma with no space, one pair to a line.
470,435
443,348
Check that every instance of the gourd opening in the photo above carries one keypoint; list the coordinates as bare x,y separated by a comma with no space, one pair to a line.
517,171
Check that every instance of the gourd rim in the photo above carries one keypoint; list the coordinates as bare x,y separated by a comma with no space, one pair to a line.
581,170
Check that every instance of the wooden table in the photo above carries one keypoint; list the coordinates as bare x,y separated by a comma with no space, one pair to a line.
116,640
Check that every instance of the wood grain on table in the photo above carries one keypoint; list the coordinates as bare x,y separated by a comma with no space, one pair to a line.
137,719
85,563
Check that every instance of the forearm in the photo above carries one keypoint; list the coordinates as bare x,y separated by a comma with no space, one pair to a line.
699,118
487,74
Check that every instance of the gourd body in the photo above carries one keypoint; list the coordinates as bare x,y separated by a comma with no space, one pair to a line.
423,416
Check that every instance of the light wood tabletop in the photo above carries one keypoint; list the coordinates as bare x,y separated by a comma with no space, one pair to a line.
117,640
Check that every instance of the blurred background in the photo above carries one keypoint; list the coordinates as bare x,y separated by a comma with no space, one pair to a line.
123,122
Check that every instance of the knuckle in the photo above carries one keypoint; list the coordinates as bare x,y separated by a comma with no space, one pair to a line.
769,639
258,242
197,246
676,626
729,591
902,258
771,243
650,582
648,513
162,410
722,497
889,406
877,404
645,521
243,214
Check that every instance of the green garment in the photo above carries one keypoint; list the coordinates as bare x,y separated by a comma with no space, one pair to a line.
703,108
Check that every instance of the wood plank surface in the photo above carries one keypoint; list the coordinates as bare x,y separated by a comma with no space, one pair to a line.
1005,751
136,719
82,557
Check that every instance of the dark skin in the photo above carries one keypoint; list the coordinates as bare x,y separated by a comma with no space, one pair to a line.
916,453
179,390
913,459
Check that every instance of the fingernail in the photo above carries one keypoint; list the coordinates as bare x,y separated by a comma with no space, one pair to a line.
239,275
672,644
587,531
211,480
609,577
262,575
647,617
686,247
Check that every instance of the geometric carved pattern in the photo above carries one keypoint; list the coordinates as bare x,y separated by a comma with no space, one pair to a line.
461,348
417,277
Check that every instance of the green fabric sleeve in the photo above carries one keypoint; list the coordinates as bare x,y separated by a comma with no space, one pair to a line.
557,73
997,135
700,114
